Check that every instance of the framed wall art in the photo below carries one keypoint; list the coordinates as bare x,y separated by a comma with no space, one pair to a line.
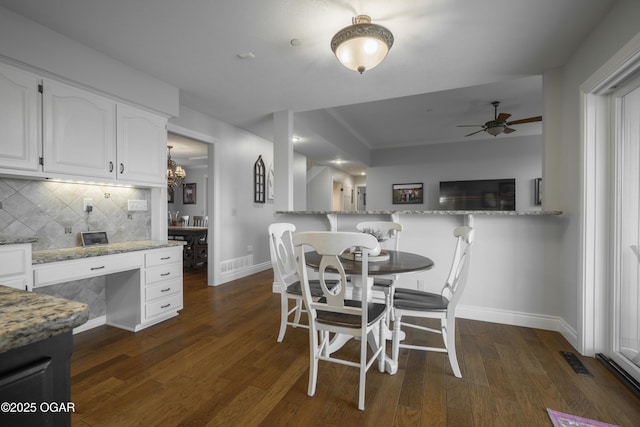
407,194
189,194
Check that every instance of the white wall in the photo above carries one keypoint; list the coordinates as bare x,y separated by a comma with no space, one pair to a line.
501,158
565,131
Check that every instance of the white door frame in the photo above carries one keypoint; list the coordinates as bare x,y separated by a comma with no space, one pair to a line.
596,246
213,199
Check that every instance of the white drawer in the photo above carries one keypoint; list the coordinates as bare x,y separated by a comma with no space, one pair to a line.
163,273
165,305
164,256
66,271
162,290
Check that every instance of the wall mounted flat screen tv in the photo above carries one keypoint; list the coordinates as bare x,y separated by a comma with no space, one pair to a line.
478,195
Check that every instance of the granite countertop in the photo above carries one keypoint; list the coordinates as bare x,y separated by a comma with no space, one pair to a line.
27,317
416,212
66,254
16,240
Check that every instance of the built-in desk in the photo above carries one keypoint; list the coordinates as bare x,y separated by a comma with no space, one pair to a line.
143,279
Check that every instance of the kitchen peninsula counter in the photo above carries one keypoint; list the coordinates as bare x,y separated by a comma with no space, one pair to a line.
29,317
66,254
432,212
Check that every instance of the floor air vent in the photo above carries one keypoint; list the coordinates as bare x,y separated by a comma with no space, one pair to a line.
575,364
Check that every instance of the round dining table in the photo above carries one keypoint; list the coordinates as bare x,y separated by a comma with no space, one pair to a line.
397,262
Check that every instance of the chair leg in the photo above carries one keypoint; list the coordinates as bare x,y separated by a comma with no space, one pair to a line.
449,336
313,361
395,344
284,315
363,371
382,340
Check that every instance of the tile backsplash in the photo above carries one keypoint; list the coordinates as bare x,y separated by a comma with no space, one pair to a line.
49,210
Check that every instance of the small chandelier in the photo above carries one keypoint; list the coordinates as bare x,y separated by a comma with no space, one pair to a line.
363,45
175,173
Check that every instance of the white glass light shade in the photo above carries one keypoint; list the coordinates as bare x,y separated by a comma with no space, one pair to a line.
363,45
495,130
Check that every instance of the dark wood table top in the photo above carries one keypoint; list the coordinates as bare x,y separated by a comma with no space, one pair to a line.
399,262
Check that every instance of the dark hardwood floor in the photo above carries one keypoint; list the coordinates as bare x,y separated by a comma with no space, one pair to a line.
218,363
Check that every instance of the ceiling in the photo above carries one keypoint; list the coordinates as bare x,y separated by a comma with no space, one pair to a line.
450,60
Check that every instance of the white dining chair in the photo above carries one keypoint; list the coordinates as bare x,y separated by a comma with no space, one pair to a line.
388,235
285,271
335,314
442,306
200,221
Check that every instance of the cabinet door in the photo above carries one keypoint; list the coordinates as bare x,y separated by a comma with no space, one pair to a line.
19,119
142,146
79,132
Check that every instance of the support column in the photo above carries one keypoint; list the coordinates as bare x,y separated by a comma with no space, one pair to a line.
283,160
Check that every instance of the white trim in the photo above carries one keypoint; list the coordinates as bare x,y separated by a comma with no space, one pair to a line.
595,246
239,274
91,323
213,203
515,318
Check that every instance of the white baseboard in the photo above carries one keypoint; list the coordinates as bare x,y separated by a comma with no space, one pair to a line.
90,324
248,271
529,320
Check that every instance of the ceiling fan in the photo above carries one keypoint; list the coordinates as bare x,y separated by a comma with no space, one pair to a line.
500,124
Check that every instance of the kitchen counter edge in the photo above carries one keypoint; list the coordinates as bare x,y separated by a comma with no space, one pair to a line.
29,317
66,254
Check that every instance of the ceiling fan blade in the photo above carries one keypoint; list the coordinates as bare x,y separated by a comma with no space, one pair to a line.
502,117
508,130
473,133
528,120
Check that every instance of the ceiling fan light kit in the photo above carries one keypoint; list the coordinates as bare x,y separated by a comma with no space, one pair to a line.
362,45
500,124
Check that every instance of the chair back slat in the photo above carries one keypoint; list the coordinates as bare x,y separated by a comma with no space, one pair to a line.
283,260
330,245
457,278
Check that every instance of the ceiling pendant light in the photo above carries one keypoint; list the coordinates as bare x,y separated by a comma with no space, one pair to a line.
363,45
175,173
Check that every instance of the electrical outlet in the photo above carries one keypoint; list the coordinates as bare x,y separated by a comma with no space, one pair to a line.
137,205
67,230
87,203
107,195
249,249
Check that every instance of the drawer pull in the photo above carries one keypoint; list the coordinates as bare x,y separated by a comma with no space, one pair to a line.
97,268
165,274
165,290
165,306
166,257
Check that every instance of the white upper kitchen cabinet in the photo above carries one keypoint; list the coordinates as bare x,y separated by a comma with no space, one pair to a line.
142,145
19,119
79,132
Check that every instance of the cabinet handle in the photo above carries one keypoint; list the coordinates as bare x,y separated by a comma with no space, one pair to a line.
97,268
167,257
165,290
165,306
165,274
121,167
110,166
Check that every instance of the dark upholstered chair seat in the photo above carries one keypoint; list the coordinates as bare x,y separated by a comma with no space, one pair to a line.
382,283
316,289
410,299
374,312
